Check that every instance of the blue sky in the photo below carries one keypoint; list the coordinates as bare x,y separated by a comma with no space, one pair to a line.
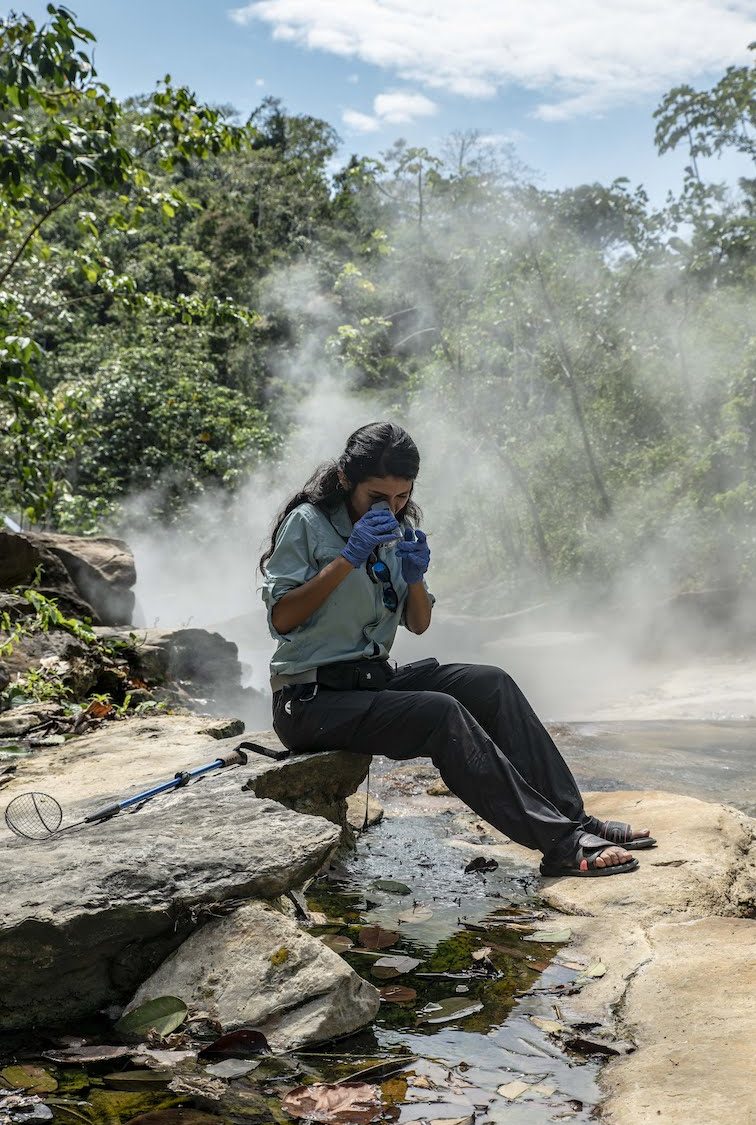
573,83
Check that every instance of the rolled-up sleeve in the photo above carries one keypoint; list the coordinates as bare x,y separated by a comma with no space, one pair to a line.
291,563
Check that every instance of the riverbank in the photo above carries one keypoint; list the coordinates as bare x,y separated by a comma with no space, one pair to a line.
676,939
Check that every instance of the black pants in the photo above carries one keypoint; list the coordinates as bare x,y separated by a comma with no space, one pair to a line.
474,724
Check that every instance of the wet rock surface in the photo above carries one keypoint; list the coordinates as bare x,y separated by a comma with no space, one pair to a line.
258,968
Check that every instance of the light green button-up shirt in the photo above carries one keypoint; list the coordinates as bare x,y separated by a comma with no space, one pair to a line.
353,623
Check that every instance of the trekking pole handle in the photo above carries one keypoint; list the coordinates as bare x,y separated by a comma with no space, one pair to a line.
232,758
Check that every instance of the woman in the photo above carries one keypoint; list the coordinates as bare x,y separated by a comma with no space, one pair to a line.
344,569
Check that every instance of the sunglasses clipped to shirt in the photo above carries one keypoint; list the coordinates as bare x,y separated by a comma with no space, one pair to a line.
378,571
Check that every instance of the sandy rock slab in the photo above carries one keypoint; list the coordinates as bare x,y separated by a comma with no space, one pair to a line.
691,1010
87,915
678,938
124,758
258,968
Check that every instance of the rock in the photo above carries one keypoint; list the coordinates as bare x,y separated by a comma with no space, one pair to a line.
306,783
225,728
101,569
191,667
439,788
127,757
134,888
356,811
18,721
677,939
88,577
258,969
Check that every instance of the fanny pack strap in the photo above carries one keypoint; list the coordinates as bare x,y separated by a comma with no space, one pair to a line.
309,676
344,675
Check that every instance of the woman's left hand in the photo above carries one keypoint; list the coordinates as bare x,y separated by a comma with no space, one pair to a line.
415,555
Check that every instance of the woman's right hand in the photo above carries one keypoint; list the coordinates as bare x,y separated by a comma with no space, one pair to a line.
377,526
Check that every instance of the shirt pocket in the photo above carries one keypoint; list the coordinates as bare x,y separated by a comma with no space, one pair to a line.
324,553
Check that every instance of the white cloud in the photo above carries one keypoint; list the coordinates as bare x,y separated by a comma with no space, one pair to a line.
360,122
394,107
583,55
259,82
399,107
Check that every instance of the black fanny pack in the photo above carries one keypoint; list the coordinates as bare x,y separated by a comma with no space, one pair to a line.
355,675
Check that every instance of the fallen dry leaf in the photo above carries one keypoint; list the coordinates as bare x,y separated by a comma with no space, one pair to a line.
345,1103
512,1090
398,994
375,937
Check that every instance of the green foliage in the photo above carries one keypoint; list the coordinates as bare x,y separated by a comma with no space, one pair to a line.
588,358
66,138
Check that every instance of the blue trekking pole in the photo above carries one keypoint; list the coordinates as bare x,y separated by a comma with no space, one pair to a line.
37,816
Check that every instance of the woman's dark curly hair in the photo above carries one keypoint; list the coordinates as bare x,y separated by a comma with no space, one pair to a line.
380,449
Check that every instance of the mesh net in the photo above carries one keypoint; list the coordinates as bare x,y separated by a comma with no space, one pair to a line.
34,816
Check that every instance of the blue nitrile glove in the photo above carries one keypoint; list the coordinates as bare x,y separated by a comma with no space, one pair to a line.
374,528
415,555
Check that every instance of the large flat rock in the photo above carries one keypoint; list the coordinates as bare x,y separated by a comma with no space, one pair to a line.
678,939
122,758
86,916
258,968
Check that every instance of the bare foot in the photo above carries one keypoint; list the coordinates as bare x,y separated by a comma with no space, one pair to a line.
611,856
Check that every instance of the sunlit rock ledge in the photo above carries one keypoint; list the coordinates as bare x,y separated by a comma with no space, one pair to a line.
86,916
678,938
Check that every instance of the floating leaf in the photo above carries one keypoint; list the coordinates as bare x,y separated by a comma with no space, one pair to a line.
232,1068
390,886
587,1046
137,1079
549,935
468,1120
33,1079
423,1082
512,1090
419,913
345,1103
88,1054
156,1056
597,969
164,1014
387,967
398,994
452,1008
551,1027
481,863
337,942
375,937
394,1090
236,1045
180,1116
